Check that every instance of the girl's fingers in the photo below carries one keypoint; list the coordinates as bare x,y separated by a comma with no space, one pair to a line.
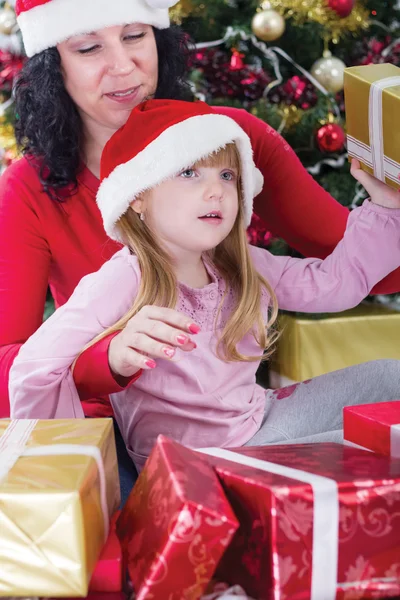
132,361
361,176
379,192
189,346
162,332
170,317
144,344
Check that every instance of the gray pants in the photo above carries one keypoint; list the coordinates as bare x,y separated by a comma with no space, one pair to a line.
312,411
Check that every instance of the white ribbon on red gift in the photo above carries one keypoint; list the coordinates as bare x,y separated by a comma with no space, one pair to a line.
13,446
325,548
395,440
374,155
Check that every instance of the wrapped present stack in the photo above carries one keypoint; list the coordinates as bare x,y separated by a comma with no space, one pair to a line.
59,488
319,521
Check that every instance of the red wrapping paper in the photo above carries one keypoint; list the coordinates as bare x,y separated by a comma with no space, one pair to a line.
109,574
374,427
175,526
272,553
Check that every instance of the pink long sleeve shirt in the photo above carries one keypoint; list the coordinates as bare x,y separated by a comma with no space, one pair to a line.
197,399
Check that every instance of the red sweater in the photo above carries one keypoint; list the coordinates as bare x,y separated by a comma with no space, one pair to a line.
43,242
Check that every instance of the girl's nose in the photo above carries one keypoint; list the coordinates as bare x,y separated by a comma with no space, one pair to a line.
214,189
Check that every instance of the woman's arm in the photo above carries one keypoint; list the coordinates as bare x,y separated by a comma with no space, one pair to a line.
292,203
25,259
24,273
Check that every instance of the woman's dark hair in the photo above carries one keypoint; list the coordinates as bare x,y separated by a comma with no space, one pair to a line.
48,126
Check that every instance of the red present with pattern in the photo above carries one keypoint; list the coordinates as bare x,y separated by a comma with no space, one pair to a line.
374,426
317,521
176,525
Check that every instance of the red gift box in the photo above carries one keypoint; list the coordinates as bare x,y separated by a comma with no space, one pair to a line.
176,525
109,574
374,426
319,521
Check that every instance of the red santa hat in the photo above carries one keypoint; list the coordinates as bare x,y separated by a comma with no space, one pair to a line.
46,23
159,140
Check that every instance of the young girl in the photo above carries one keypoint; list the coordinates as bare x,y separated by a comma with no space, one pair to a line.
178,183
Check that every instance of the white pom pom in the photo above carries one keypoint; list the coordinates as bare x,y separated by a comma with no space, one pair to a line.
162,3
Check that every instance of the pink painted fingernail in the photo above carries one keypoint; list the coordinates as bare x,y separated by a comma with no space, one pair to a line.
193,328
181,339
170,352
151,364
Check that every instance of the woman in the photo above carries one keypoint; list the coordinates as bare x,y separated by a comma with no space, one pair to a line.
75,91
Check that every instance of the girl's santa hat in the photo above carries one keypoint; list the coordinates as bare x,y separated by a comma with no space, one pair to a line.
46,23
160,139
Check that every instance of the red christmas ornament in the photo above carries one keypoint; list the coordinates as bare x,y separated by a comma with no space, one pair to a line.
330,138
236,63
295,87
10,65
342,7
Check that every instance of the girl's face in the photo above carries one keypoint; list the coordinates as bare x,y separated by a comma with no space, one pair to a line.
110,71
195,210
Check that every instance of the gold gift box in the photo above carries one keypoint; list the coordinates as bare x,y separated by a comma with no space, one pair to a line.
372,99
311,347
56,501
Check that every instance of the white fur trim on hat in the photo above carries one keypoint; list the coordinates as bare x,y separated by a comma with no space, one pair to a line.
175,149
161,3
48,24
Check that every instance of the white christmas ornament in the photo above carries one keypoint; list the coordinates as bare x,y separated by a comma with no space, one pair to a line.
329,72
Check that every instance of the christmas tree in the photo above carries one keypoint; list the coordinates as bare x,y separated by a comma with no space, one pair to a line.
283,61
11,61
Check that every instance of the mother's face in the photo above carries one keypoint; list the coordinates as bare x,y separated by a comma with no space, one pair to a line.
109,72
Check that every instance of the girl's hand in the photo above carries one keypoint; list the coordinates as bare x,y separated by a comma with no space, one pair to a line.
153,332
379,192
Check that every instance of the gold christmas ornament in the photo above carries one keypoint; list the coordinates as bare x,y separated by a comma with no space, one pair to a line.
8,20
268,25
291,116
183,9
8,144
329,72
303,11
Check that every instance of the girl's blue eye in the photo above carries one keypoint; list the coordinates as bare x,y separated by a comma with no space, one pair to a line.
228,175
187,174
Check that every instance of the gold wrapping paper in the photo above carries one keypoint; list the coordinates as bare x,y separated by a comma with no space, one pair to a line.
52,526
311,347
357,87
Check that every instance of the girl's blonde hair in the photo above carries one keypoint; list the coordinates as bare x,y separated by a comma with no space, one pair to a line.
231,258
